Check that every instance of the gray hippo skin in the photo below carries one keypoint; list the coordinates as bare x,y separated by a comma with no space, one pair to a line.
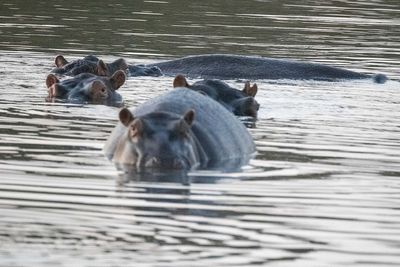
181,130
87,88
89,64
143,70
217,66
239,102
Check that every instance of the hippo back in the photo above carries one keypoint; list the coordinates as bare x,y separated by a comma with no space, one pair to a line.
218,134
220,66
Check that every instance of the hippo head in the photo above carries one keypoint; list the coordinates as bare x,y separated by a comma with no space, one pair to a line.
89,64
239,102
142,70
107,69
86,87
158,140
246,105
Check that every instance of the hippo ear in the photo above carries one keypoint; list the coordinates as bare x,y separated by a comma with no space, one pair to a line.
121,64
118,79
180,81
102,69
60,61
51,79
189,117
250,90
126,117
136,128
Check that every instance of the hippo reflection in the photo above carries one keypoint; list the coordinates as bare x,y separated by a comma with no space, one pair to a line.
239,102
87,88
181,129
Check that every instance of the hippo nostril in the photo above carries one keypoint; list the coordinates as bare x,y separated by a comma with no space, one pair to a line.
178,164
152,162
98,90
155,162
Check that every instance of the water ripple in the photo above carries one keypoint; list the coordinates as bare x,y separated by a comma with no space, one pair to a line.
323,189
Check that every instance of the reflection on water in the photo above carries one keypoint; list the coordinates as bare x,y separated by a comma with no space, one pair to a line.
322,190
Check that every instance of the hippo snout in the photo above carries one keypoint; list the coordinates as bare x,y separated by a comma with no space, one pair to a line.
98,90
55,90
166,163
52,90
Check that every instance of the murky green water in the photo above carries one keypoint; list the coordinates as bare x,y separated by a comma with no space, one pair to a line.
323,189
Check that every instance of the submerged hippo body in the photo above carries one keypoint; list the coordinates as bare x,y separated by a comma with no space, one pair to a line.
245,67
87,88
181,129
239,102
89,64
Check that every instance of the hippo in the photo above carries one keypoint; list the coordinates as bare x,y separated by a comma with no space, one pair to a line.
225,67
239,102
89,64
87,88
94,65
179,130
143,70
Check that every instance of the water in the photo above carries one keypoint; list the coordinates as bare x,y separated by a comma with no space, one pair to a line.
323,189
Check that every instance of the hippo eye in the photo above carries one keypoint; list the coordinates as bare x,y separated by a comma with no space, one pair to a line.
182,133
173,136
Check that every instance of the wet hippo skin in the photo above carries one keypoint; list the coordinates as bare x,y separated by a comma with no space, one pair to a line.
181,129
239,102
87,88
143,70
216,66
89,64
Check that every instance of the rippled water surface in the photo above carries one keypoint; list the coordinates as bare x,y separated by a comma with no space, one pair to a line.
323,189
